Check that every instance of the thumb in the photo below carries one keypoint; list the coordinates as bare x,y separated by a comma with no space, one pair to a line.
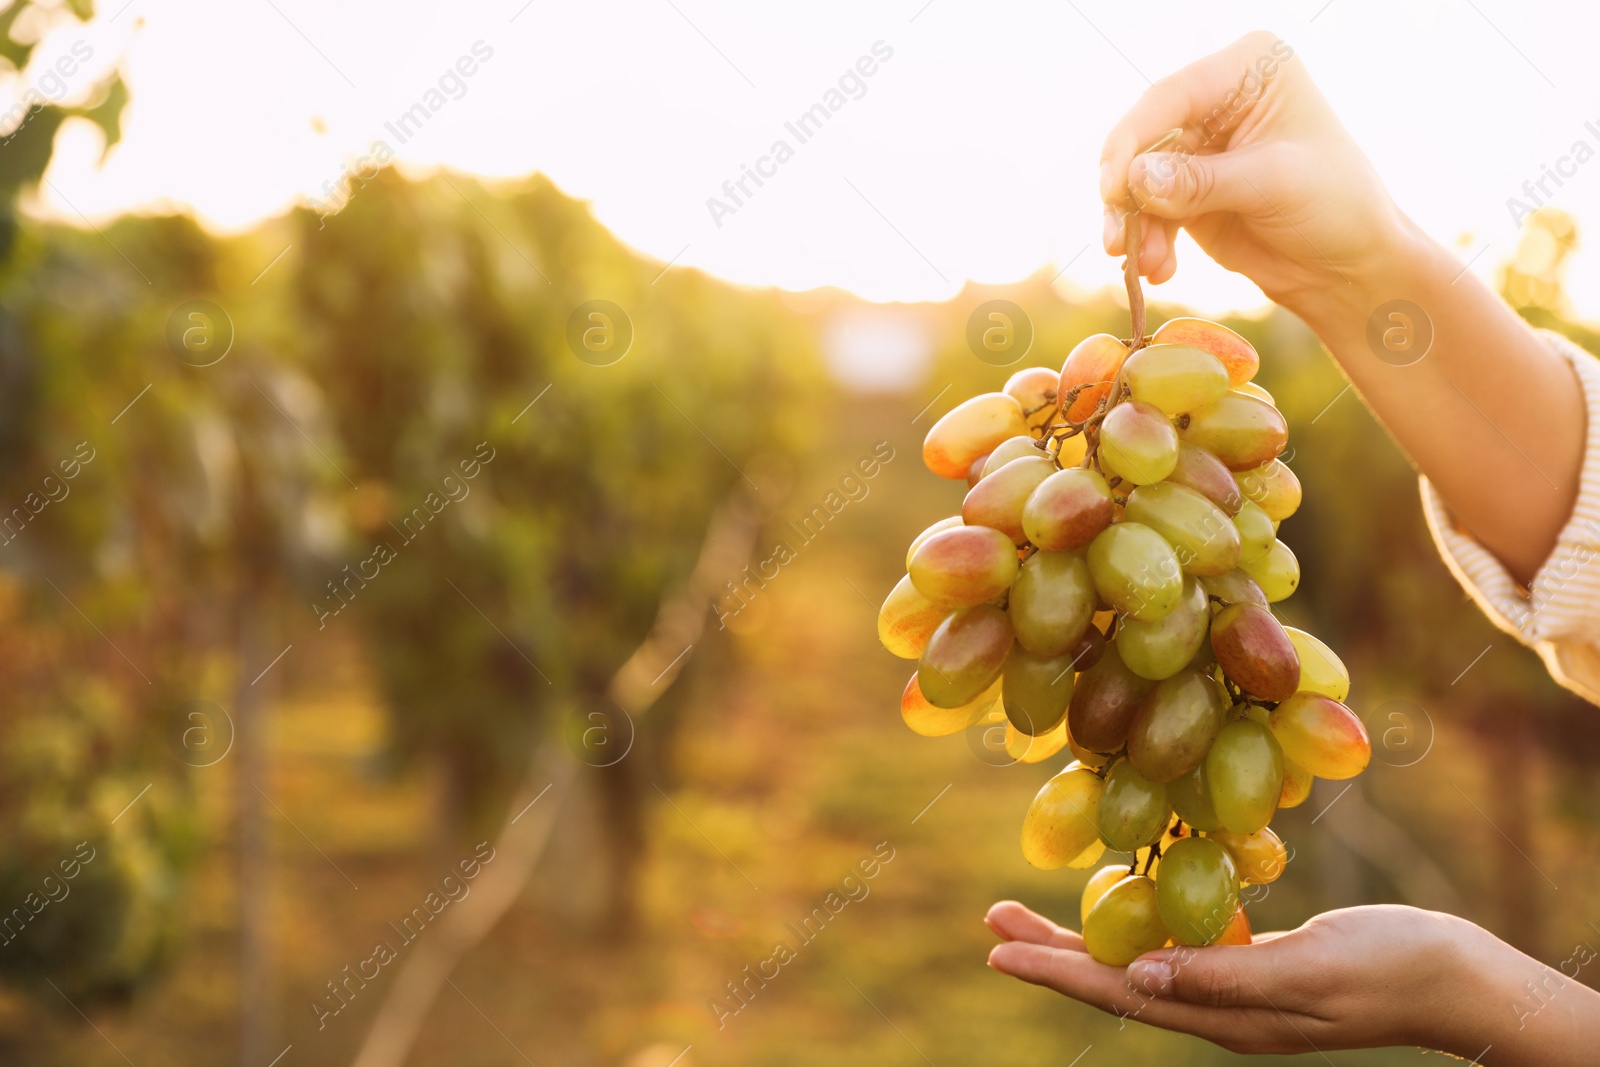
1180,185
1217,977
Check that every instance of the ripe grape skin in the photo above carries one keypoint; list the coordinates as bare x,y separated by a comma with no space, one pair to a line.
1096,887
1254,650
1125,923
1133,809
1093,363
1135,571
1160,649
1235,587
1321,669
1020,447
927,720
1273,488
1059,829
969,430
1256,533
1035,390
1238,356
1027,749
1052,602
1175,378
942,525
1190,797
1175,725
1068,509
997,500
1321,735
1277,572
1244,771
964,656
1137,443
963,566
1197,890
1297,782
1240,430
1199,470
1201,534
908,619
1259,857
1105,701
1035,691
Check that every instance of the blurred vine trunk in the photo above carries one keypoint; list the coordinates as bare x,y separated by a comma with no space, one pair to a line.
256,1002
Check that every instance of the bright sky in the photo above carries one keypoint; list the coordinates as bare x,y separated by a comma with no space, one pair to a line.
971,153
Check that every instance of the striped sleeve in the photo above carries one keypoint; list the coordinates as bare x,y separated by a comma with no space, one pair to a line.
1558,615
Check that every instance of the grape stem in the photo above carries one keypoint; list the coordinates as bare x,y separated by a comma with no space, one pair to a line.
1150,859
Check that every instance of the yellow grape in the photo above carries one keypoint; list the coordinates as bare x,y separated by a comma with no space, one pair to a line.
1240,430
1256,532
1296,785
1035,390
971,430
964,656
1321,670
1259,857
1237,354
1092,364
1125,923
907,619
1059,829
929,721
1009,449
1238,931
1096,886
997,500
1277,572
1321,735
1255,390
1175,378
1071,450
1160,649
1068,509
1025,749
1273,487
1199,470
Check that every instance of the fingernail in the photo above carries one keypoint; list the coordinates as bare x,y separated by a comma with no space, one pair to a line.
1151,976
1160,173
1108,238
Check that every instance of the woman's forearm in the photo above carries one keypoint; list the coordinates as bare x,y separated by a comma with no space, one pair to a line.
1490,414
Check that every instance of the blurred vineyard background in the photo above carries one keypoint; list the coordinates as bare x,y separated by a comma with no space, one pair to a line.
272,755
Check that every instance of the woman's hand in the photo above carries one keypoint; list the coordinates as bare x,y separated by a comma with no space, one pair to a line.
1264,177
1358,978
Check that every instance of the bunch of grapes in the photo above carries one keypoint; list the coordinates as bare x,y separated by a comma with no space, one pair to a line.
1106,590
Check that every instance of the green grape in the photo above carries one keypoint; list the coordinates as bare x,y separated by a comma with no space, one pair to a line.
1175,378
1235,587
1244,771
1137,443
1175,725
1024,446
1096,886
1135,570
1256,532
1201,534
1133,809
1199,470
997,500
929,721
1321,735
1259,857
964,656
1125,923
1160,649
1254,650
1060,828
1273,488
1035,691
938,527
1240,430
1321,670
1197,890
964,566
1068,509
1277,572
1052,603
1105,700
1190,797
907,619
